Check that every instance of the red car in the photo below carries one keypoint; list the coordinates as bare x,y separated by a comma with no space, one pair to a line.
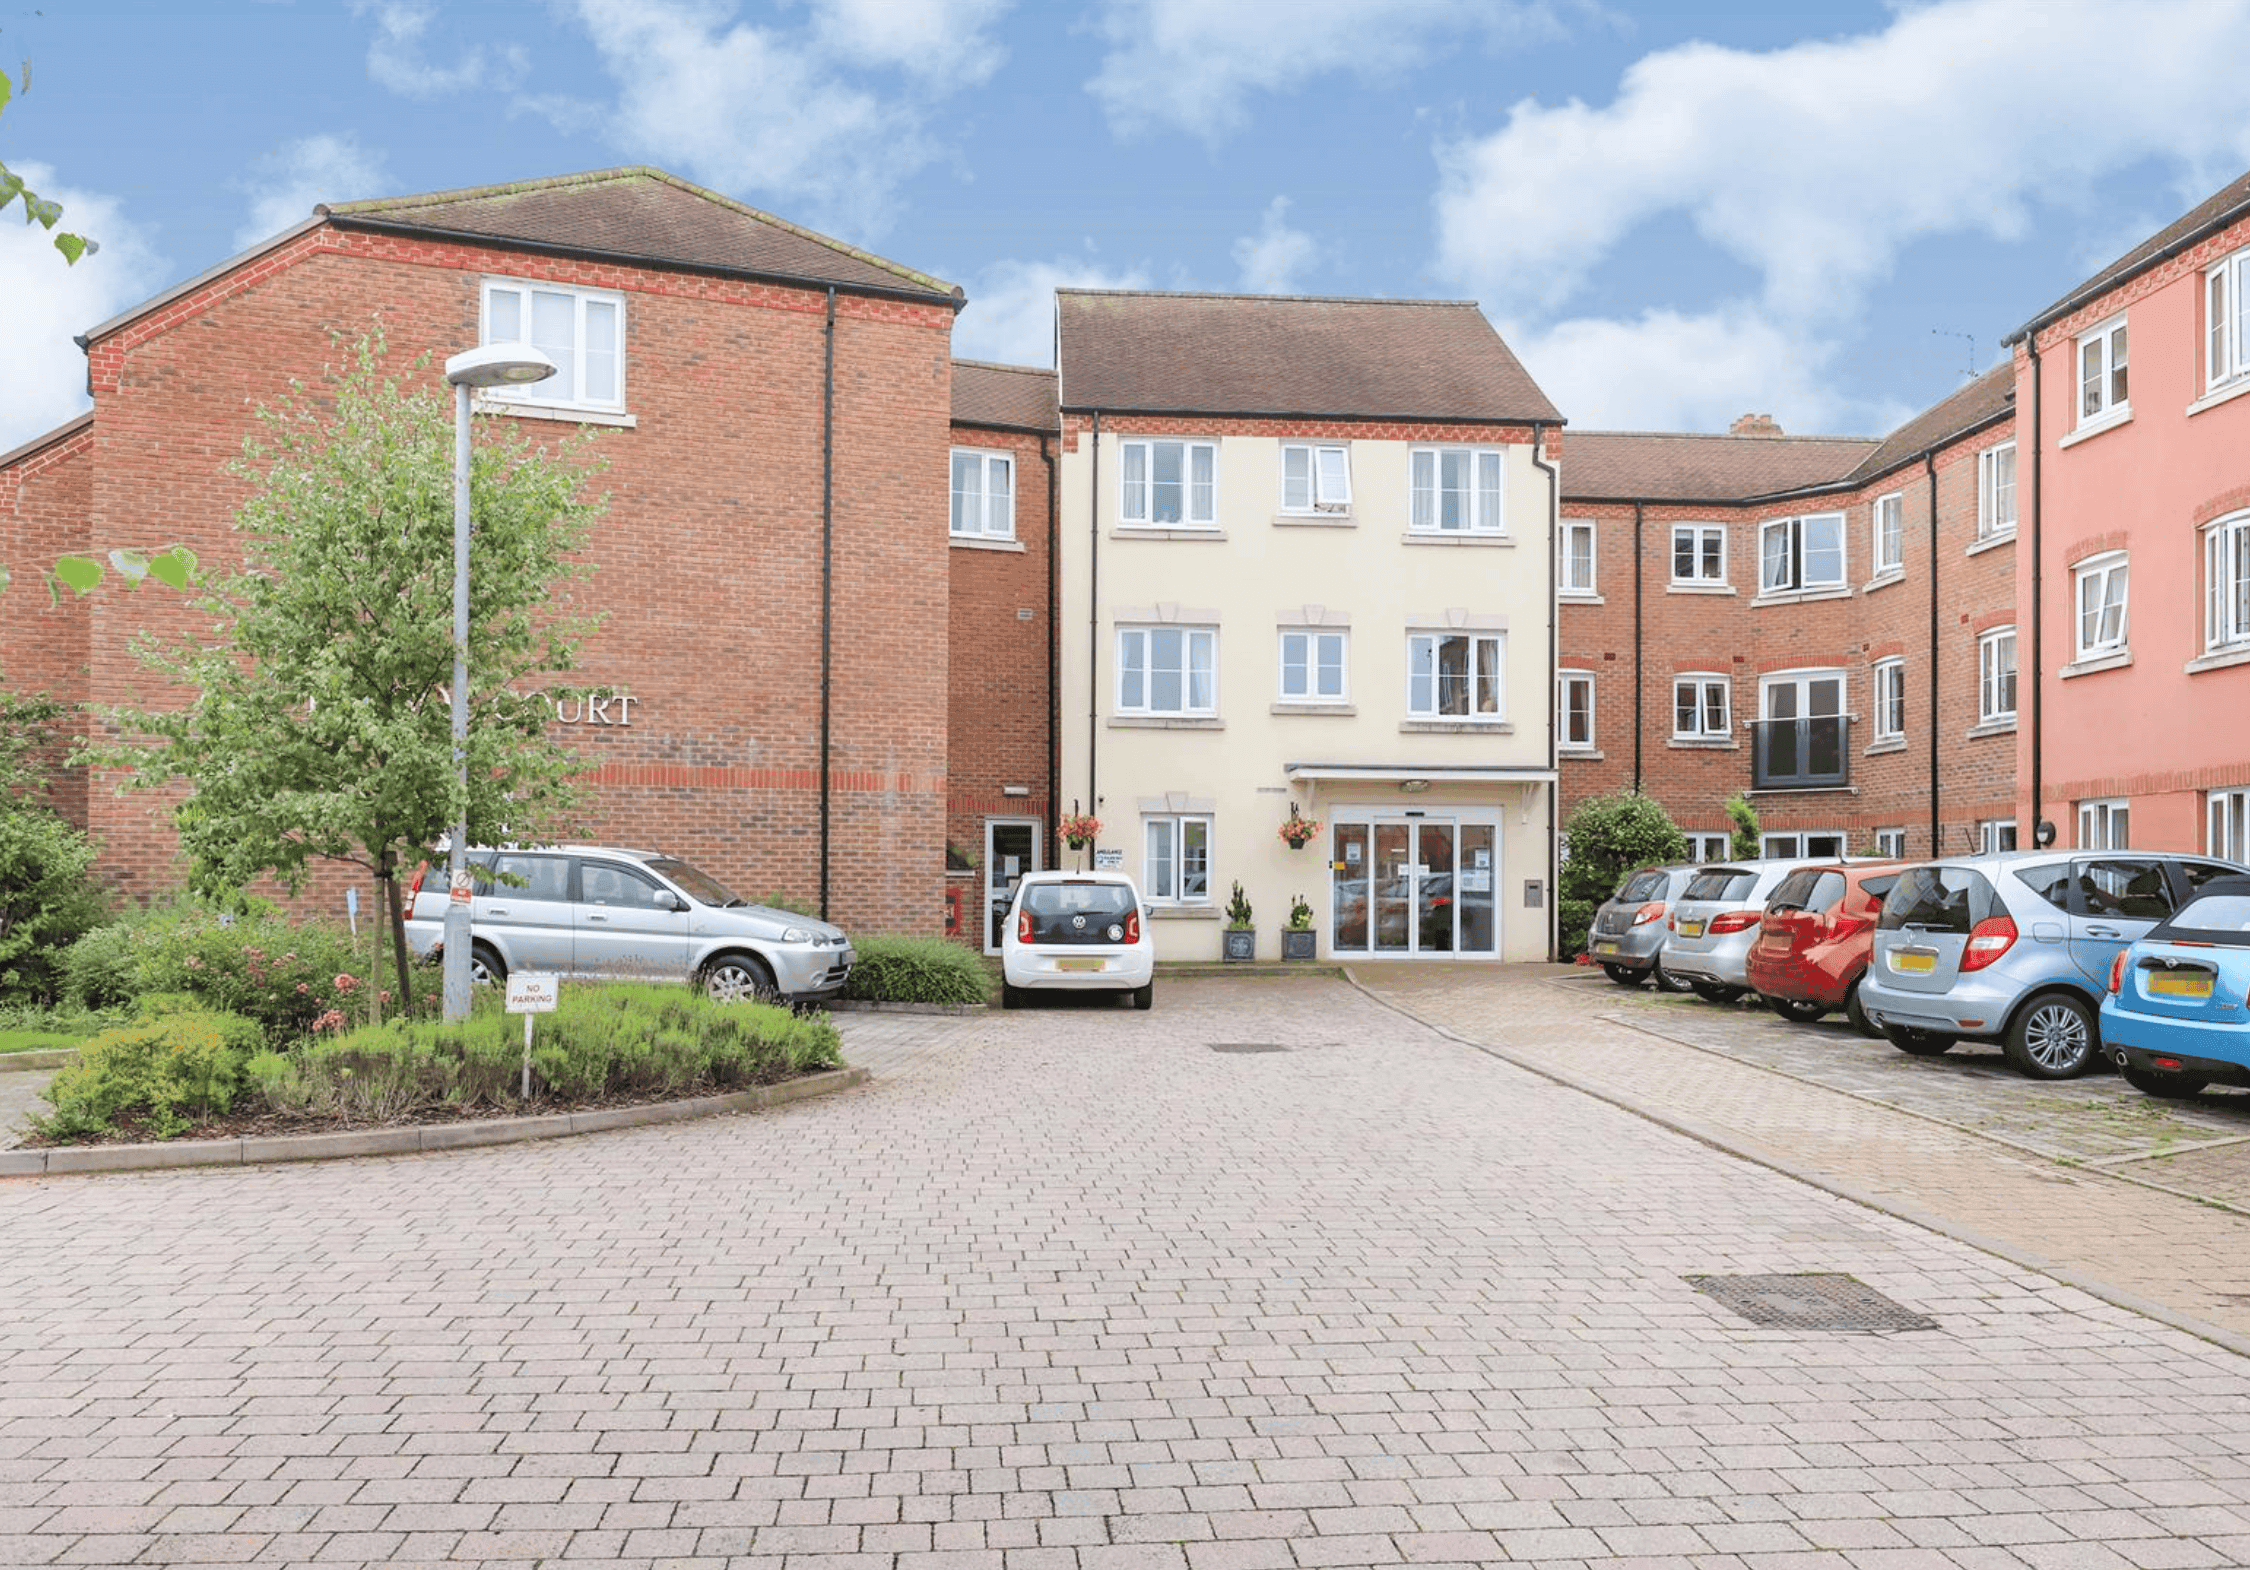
1815,939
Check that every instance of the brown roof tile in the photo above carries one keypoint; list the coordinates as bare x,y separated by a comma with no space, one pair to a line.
642,215
1991,395
1656,466
2222,208
1014,397
1285,355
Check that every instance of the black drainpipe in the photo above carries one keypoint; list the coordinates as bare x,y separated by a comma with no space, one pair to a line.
1094,618
827,579
2029,834
1640,675
1937,822
1054,652
1554,658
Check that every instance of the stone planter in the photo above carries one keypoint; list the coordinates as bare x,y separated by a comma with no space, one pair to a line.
1241,944
1300,944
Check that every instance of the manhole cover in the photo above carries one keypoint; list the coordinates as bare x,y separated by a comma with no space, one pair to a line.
1810,1302
1248,1046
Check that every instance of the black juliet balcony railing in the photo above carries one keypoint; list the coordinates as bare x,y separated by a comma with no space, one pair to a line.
1801,754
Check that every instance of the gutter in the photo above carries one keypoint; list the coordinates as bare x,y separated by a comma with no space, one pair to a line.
1554,658
1094,617
1937,822
1640,650
2038,709
1051,852
827,584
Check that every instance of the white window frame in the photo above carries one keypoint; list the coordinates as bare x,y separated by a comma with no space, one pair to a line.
1165,869
1326,478
1995,835
1136,646
2226,824
2105,823
1574,738
1701,534
567,389
1565,583
2226,583
1484,509
1309,661
1889,688
1996,491
1996,682
1705,846
1482,647
1136,495
1891,843
2226,320
1887,533
2100,589
996,504
1794,554
2105,394
1706,683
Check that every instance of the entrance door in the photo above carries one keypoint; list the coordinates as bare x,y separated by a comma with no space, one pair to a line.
1011,849
1407,887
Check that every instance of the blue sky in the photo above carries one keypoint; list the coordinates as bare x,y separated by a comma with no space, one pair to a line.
1675,213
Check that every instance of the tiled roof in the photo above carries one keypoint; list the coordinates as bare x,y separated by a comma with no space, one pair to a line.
1286,355
2223,208
1656,466
1990,395
641,215
1016,397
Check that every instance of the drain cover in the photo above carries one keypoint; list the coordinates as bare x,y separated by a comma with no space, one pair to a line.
1248,1046
1810,1302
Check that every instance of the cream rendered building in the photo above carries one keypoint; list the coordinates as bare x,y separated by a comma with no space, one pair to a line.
1305,564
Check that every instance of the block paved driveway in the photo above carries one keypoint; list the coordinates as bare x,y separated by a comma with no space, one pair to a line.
1068,1288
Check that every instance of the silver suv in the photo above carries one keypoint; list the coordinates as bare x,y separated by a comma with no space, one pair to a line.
1628,928
2016,948
591,910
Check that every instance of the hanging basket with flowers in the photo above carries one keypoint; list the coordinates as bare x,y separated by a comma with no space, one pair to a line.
1079,829
1297,830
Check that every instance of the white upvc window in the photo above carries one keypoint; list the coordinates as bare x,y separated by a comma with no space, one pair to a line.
1801,553
1313,666
1810,845
1995,835
2229,819
1167,670
1705,845
1889,530
1454,676
1315,478
1996,491
1699,553
1574,552
984,495
581,330
2226,583
1457,490
1890,700
2105,824
1700,707
2226,320
1168,484
1996,676
1574,709
2101,373
1176,859
2101,585
1891,843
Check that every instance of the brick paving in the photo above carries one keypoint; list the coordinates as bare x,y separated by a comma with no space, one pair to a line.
1068,1289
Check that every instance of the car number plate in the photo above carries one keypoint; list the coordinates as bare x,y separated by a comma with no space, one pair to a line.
1081,964
2193,985
1605,948
1691,929
1777,942
1913,962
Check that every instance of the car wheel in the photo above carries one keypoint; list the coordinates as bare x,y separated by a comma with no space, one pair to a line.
1715,992
1667,982
1919,1043
1794,1008
1011,995
486,967
2055,1037
1144,995
2154,1082
1623,976
1857,1013
739,978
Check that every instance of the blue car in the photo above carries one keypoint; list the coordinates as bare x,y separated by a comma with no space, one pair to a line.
2177,1017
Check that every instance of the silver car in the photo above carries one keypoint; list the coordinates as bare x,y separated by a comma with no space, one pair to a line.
1628,928
590,910
2016,947
1715,920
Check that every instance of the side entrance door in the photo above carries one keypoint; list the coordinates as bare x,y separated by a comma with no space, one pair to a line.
1011,849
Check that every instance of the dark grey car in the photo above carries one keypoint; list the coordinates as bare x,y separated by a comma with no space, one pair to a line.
1627,935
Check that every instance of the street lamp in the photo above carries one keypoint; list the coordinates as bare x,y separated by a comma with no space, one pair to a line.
494,365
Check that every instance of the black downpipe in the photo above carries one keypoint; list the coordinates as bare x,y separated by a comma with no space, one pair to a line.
1937,821
1554,658
2028,834
1640,672
1094,620
1051,856
827,580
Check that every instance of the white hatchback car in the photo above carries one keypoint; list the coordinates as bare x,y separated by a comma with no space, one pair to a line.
1077,932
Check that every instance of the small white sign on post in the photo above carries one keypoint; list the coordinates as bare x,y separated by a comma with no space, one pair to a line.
1111,859
531,992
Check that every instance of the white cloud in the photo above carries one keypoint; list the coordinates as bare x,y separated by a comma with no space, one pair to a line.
942,40
1192,64
1671,371
395,58
1010,316
1275,258
48,301
284,186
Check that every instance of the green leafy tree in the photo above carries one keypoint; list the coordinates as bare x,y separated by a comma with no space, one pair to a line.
48,895
37,209
1609,837
320,725
1745,844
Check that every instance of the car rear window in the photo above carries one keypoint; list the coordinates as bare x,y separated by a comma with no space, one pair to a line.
1808,888
1078,898
2049,880
1720,883
1643,886
2214,913
1938,899
1878,889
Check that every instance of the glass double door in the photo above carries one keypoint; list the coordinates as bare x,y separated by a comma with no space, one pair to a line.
1412,886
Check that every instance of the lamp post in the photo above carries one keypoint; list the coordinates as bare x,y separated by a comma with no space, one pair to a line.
494,365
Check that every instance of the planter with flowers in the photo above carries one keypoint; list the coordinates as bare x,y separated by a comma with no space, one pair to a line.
1298,940
1079,830
1241,938
1298,831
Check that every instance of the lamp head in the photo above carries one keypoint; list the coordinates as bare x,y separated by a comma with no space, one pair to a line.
499,365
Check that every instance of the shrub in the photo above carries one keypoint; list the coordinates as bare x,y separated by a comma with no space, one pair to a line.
1744,843
254,962
1609,837
892,968
166,1072
48,900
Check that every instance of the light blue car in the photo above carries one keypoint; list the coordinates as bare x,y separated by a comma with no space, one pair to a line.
2177,1014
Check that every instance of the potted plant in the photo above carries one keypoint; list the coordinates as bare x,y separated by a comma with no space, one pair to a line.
1241,938
1298,941
1298,831
1079,830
